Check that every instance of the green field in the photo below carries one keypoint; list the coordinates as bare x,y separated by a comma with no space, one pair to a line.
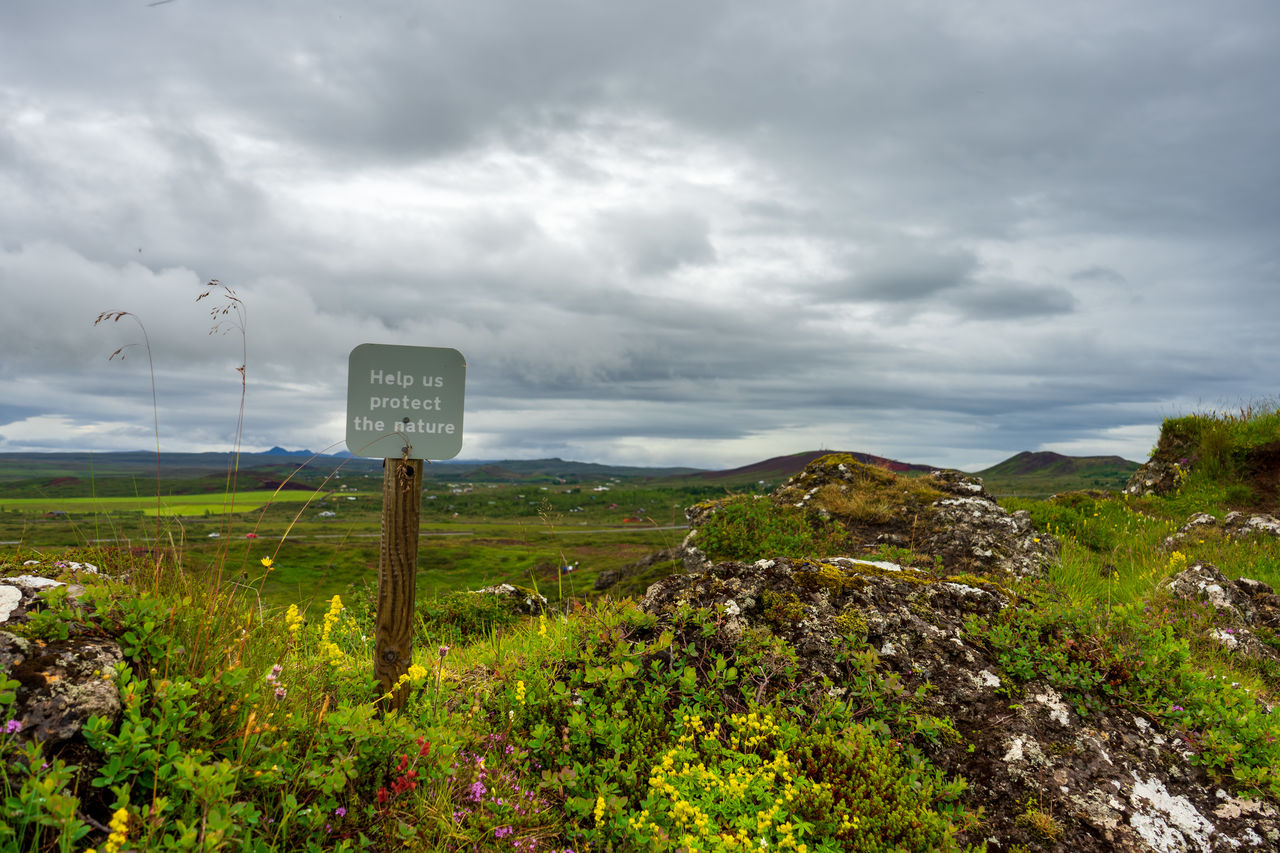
167,504
472,534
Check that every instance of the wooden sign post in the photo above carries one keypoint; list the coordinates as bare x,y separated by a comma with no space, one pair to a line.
404,404
397,578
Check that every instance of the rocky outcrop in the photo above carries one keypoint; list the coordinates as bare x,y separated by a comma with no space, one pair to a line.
63,678
812,604
1241,606
1157,476
1114,781
947,516
61,684
1235,525
520,599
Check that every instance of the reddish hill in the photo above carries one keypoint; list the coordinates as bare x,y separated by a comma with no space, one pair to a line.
786,466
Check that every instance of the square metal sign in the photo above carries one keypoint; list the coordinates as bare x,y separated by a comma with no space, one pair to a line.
400,396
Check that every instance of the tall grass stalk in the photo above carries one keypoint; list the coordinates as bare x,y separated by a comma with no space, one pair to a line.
116,317
228,316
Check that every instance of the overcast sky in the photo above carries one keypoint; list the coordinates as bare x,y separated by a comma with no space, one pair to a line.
692,233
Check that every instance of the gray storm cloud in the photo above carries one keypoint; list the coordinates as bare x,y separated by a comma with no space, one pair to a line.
660,233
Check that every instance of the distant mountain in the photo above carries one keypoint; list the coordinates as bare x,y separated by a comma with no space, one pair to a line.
1045,462
1043,473
33,474
782,467
21,474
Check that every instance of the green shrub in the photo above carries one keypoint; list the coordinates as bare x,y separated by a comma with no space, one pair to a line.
754,528
459,617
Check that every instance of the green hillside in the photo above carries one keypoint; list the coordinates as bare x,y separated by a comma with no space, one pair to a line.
1042,474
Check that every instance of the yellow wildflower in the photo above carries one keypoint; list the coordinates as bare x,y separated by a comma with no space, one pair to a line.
327,647
293,619
119,831
267,563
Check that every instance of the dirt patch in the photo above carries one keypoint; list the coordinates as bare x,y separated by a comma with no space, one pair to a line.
1262,475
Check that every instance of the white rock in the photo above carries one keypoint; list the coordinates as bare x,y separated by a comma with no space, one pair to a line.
1058,711
9,598
879,564
35,581
1168,823
1226,640
988,678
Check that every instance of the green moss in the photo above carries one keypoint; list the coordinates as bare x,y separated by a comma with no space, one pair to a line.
853,626
1040,823
783,609
1057,749
823,576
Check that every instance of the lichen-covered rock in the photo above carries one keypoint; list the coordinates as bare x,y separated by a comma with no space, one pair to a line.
977,534
21,593
1204,582
1157,476
1235,525
62,683
812,603
1242,606
946,515
1112,782
521,599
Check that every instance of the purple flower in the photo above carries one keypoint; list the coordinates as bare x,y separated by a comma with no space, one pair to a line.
340,811
13,727
477,791
275,672
281,692
444,650
503,831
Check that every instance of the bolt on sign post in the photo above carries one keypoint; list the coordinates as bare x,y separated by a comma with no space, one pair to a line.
404,404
